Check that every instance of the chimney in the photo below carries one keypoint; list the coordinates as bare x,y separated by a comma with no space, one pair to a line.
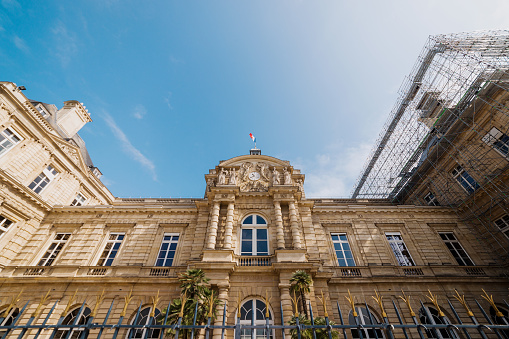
72,117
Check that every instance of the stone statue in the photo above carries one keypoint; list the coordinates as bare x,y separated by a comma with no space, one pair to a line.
264,170
222,177
233,177
287,176
275,177
210,183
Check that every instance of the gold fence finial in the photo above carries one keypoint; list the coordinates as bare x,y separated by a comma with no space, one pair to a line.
351,300
155,301
295,300
98,301
434,300
69,304
461,299
407,302
378,300
183,301
267,302
324,303
489,298
211,303
14,300
127,300
238,304
38,309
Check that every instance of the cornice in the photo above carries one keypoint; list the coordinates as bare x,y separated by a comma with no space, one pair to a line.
377,209
25,192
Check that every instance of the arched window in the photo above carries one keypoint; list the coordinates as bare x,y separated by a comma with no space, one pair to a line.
254,239
499,320
436,319
142,320
82,314
364,320
252,312
9,319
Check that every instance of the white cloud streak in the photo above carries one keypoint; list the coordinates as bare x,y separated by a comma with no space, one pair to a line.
167,100
65,44
128,147
139,112
20,44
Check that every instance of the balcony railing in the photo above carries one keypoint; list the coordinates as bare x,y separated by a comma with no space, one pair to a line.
255,260
91,271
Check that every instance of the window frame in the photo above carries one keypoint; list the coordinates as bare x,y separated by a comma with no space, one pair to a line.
495,136
83,315
255,226
5,229
432,199
455,241
424,311
504,219
171,241
79,202
46,173
132,333
8,138
463,177
340,241
254,320
402,241
364,315
56,241
115,241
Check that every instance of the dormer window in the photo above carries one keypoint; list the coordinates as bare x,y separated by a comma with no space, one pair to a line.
254,236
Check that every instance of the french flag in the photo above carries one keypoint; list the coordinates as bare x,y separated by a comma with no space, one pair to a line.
252,137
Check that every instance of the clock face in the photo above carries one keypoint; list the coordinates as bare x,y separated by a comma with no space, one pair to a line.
254,176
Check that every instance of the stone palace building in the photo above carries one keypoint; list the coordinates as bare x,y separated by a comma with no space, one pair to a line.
62,231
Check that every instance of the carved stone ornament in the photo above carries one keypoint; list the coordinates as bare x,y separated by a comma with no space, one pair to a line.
254,177
71,152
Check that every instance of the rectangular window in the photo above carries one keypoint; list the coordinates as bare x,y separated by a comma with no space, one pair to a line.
79,200
4,225
167,250
456,249
431,200
400,251
498,140
54,249
503,224
39,183
464,179
342,249
111,249
8,139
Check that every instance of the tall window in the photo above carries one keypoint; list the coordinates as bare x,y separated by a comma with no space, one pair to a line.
167,250
503,224
8,139
252,312
79,200
254,240
365,320
9,318
111,249
78,316
498,140
142,320
4,225
456,249
431,200
54,249
464,179
430,316
43,179
342,249
399,248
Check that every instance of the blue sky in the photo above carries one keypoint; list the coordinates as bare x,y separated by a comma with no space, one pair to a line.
173,87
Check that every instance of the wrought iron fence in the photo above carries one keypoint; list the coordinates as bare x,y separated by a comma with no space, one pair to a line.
361,322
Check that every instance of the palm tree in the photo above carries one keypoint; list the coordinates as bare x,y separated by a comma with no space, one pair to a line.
321,333
301,281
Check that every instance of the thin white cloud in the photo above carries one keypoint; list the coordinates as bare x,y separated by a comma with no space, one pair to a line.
167,100
11,4
65,44
128,147
333,174
139,112
21,44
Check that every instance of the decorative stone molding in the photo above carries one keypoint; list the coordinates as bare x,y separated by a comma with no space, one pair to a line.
71,152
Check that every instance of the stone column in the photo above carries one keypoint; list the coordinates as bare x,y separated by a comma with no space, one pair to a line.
294,226
286,302
229,227
280,235
211,241
223,297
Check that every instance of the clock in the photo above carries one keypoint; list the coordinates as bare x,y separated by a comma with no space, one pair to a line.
254,176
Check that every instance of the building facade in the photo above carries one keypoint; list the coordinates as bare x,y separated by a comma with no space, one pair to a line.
65,236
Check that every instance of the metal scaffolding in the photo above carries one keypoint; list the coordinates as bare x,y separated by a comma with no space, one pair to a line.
458,87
